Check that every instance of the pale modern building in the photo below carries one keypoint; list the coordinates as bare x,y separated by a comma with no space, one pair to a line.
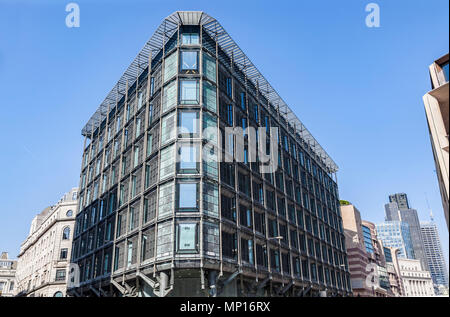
416,281
395,234
409,216
370,271
437,112
434,254
44,256
7,275
161,215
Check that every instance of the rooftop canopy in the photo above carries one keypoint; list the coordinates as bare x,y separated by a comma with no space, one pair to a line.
155,44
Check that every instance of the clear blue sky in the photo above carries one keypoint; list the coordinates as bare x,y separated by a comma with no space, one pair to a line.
358,90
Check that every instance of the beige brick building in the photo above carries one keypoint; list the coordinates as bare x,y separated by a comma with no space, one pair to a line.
45,254
373,267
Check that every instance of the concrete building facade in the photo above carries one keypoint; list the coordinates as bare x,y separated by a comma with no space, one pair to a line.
436,104
416,281
434,254
44,256
154,220
7,275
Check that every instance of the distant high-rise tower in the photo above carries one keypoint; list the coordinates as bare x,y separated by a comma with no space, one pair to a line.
433,251
401,199
392,212
399,210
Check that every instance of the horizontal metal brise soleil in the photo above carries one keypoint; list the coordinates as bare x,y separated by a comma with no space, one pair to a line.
153,46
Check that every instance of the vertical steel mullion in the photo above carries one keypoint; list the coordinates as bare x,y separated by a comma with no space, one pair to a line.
163,62
219,156
144,162
125,256
202,176
174,222
113,262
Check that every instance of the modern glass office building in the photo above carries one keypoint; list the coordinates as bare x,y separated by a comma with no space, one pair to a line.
395,234
163,213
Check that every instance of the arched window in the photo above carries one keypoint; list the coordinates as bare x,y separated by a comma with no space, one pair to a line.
58,294
69,213
66,233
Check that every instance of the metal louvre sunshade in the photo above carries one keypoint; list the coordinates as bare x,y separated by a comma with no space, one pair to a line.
164,32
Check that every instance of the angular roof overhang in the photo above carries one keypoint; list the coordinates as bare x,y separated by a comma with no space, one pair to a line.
155,44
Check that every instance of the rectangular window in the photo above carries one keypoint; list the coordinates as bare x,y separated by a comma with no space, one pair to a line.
189,62
209,97
247,251
149,144
189,92
229,88
167,162
243,104
127,115
188,161
261,255
130,254
260,223
275,260
131,219
187,197
118,124
141,98
228,210
133,185
150,114
138,126
209,67
136,156
63,254
97,167
230,115
305,269
167,128
189,38
165,200
188,123
273,228
187,238
229,245
116,148
169,99
245,216
119,226
60,275
170,66
285,259
106,267
255,112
